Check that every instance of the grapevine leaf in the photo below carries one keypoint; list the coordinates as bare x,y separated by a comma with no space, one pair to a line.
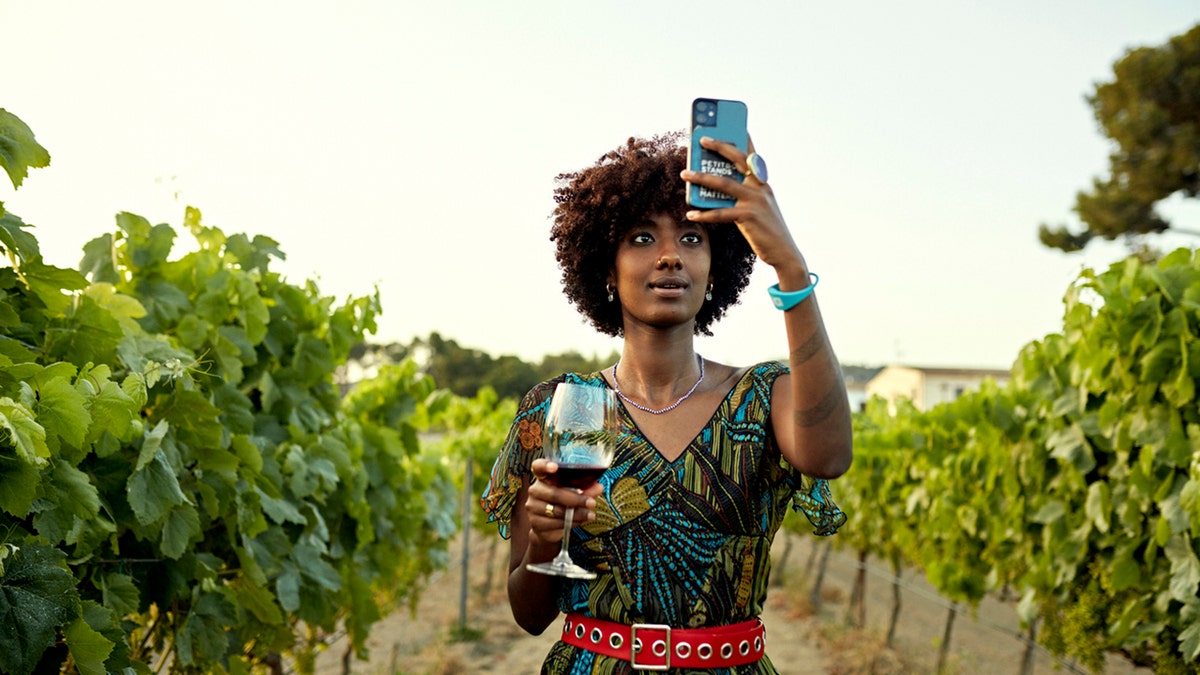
1189,638
258,599
72,490
1173,280
121,306
181,528
1052,511
192,331
24,433
165,303
1070,446
314,566
147,246
92,336
119,593
313,361
237,411
20,481
1099,505
97,263
151,442
279,509
202,637
248,454
49,283
112,410
14,237
134,386
107,623
196,421
63,413
287,588
153,490
254,254
1126,573
1141,326
251,521
1189,499
9,317
37,596
19,150
1185,568
1172,510
89,649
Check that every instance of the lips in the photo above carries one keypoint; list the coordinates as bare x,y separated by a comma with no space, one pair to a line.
670,286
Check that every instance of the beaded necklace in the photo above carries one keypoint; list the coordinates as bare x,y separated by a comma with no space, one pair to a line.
652,411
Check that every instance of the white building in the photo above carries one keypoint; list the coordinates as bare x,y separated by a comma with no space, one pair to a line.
927,387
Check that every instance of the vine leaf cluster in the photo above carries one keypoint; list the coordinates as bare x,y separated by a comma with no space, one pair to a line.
182,484
1075,487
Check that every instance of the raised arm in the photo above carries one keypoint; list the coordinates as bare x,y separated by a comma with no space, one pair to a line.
810,410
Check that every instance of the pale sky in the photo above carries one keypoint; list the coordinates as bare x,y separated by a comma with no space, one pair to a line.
914,148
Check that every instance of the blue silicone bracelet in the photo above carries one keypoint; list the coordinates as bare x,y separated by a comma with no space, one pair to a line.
785,301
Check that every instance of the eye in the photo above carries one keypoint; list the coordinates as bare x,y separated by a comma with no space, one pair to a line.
640,238
692,237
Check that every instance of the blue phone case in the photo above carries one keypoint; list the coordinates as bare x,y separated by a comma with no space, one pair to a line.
724,121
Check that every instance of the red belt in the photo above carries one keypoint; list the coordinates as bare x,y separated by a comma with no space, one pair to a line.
715,647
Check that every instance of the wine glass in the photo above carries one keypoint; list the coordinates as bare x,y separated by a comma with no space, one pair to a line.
580,435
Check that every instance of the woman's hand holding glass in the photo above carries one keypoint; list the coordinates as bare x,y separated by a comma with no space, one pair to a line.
547,503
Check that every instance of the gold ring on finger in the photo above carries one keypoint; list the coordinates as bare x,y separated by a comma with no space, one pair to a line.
549,510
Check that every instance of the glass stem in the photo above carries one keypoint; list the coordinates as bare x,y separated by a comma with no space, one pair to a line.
570,513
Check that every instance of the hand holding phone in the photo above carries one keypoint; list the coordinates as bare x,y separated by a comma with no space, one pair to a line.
725,121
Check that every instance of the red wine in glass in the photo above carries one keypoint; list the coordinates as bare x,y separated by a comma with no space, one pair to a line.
579,476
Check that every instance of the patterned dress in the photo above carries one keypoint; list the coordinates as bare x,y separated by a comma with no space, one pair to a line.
683,543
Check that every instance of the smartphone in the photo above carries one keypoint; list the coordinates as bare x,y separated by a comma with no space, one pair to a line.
724,121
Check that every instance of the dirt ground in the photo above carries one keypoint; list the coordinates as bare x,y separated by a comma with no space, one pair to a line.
799,639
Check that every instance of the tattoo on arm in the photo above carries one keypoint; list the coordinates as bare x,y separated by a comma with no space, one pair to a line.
829,403
811,347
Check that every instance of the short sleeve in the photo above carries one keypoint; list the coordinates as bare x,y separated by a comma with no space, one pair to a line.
810,496
512,468
815,501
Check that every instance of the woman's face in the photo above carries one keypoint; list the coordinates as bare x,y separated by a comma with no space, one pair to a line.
662,271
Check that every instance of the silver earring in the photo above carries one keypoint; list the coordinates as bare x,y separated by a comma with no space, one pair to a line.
708,294
611,290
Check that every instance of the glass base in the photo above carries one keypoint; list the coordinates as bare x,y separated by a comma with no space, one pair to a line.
561,568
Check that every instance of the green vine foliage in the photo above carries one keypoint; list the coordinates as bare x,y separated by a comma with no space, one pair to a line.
1076,485
476,427
181,484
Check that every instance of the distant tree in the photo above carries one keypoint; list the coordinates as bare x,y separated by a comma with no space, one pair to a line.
1151,111
572,362
464,370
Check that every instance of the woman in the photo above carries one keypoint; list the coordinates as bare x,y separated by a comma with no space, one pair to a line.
710,456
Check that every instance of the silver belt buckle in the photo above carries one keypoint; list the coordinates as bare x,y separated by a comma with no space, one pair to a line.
634,646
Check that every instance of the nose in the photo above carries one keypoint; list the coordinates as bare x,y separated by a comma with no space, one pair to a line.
669,259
